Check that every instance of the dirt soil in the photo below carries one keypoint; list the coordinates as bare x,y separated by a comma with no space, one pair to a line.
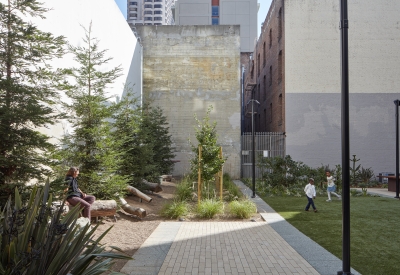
130,232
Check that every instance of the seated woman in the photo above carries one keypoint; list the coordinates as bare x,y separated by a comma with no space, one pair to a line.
75,195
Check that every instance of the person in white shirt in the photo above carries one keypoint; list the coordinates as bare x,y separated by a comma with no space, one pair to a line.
331,186
310,193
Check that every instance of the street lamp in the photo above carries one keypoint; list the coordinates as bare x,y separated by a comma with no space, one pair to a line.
253,147
344,46
397,103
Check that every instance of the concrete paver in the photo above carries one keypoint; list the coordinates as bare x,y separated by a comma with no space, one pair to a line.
232,248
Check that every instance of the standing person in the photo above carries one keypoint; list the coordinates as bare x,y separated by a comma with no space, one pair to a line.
310,192
75,195
331,186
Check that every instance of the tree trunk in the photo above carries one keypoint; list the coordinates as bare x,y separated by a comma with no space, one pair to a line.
103,208
140,212
151,186
136,192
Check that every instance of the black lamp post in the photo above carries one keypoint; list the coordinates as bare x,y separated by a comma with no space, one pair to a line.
253,147
397,103
344,26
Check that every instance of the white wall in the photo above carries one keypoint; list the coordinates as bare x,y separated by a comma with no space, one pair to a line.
109,27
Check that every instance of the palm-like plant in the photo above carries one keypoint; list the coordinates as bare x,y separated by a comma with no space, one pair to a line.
36,239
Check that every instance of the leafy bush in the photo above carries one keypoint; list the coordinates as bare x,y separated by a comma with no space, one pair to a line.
175,209
37,239
209,208
242,209
184,190
232,192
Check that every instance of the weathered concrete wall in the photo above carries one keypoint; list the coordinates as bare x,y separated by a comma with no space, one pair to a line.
313,84
185,70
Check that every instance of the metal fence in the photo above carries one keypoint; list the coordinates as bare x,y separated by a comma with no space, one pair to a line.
268,144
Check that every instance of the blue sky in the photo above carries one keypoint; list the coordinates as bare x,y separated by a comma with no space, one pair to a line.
262,12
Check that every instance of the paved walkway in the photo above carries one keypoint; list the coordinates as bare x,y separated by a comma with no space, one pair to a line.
232,248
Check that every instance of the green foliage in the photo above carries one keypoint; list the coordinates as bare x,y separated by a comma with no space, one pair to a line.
354,170
144,144
210,163
231,191
175,209
27,92
208,208
242,209
374,223
365,175
37,239
184,190
91,146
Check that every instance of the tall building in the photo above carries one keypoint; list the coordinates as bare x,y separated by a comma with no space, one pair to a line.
150,12
221,12
295,74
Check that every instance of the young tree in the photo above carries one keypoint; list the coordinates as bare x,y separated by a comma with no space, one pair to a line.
90,146
210,163
27,93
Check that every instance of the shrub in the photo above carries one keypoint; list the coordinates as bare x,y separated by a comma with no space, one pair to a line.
184,190
175,209
242,209
232,192
209,208
37,239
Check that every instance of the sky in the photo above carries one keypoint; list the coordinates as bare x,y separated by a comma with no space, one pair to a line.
262,12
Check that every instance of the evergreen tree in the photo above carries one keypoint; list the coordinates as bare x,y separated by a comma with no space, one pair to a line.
27,94
90,146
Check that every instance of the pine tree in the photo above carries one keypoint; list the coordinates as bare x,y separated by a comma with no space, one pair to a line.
91,146
27,94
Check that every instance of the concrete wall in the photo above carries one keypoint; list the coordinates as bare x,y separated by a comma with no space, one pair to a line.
231,12
185,70
313,83
110,28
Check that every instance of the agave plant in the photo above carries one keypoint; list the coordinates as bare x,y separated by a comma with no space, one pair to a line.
36,239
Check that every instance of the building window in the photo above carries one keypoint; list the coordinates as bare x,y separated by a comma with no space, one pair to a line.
157,0
265,87
215,11
148,0
215,21
258,65
270,38
280,110
157,24
157,6
157,18
147,24
148,18
280,24
148,6
265,119
148,12
157,12
270,112
280,70
270,75
252,69
264,55
133,3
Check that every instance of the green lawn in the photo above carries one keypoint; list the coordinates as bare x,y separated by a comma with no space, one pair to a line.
375,229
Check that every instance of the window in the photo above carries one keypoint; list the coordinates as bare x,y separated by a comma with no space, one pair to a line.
215,21
265,87
157,24
280,70
157,12
133,9
148,18
280,24
148,0
270,112
157,18
157,6
270,38
252,69
215,11
133,3
148,6
157,0
264,55
280,119
265,119
258,65
270,75
148,12
147,24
